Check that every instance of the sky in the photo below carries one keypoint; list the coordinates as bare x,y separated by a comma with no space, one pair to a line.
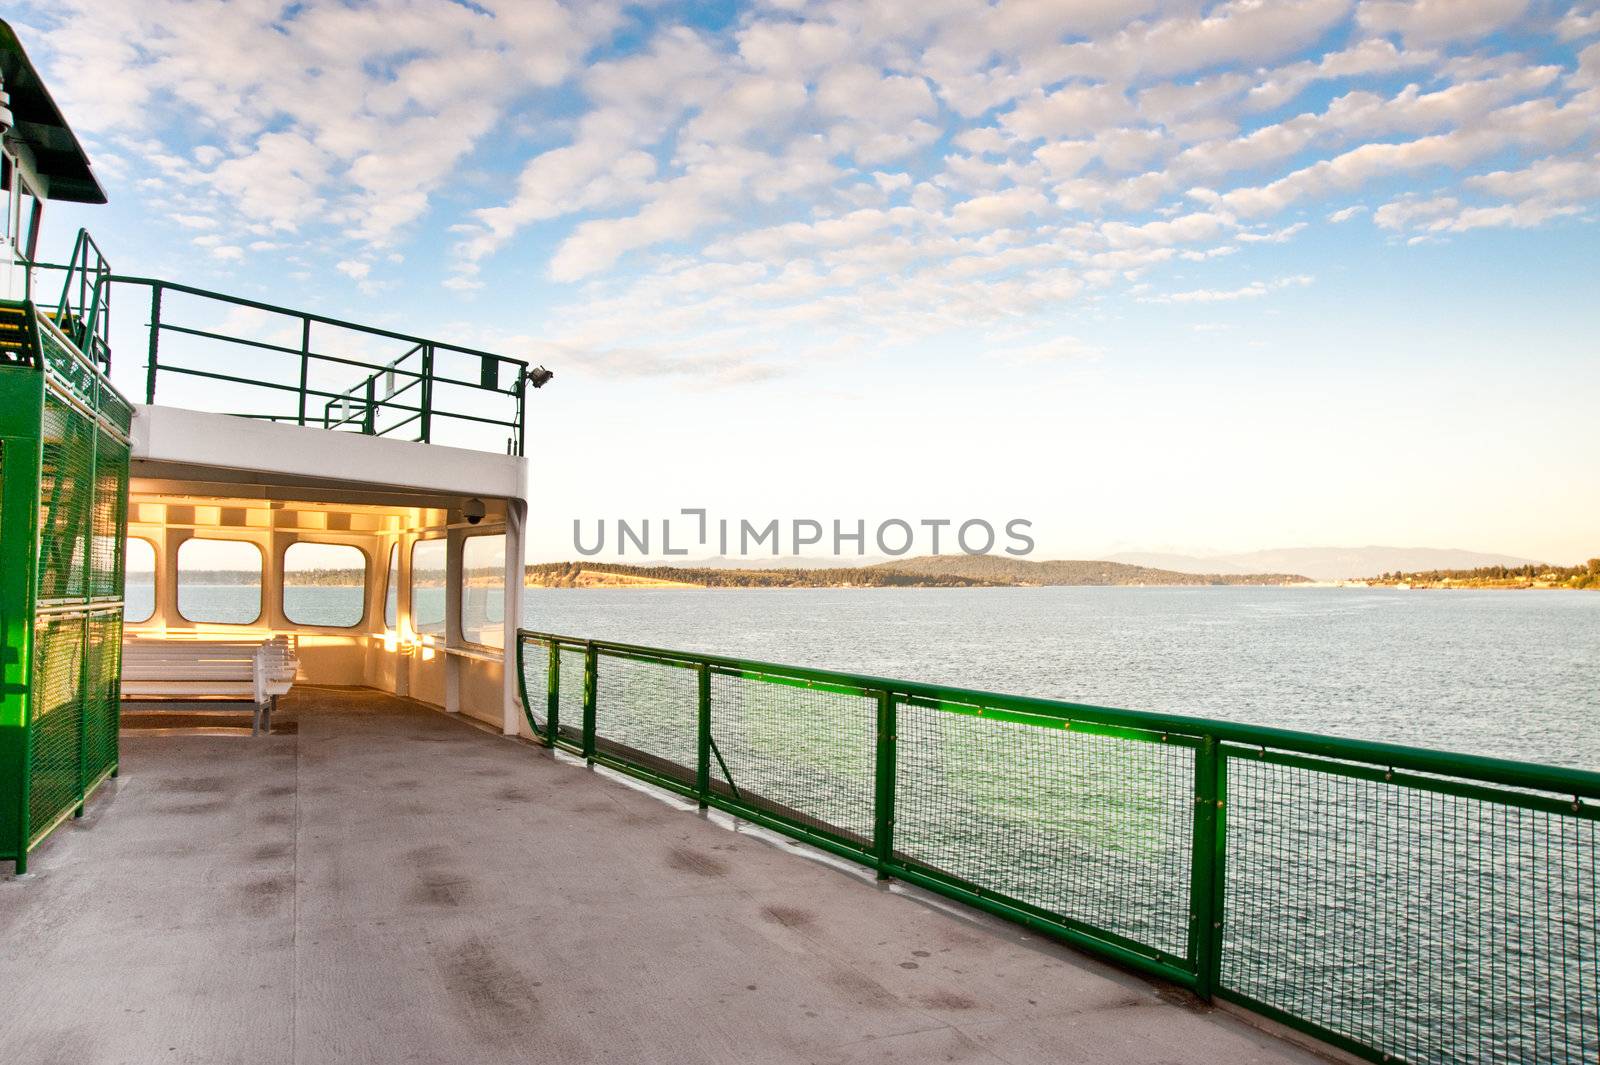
1177,276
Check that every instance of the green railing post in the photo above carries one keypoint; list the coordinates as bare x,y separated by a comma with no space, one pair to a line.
369,423
305,365
552,694
522,411
591,687
702,766
884,781
426,420
155,343
1205,879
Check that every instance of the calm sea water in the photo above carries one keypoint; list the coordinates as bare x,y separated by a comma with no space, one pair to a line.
1513,674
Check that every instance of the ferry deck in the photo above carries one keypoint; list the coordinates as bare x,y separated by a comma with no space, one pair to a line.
282,778
386,883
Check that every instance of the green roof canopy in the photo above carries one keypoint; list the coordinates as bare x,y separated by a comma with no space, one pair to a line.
58,156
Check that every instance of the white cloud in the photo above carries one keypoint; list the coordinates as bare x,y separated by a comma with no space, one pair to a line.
1425,22
843,172
1254,290
1070,111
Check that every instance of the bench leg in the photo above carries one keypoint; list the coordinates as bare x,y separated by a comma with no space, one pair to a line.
272,706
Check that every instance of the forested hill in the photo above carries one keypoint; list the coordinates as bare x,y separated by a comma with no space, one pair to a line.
616,575
1019,571
936,571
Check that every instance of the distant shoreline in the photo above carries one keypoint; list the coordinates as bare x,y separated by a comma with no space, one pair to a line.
944,571
928,571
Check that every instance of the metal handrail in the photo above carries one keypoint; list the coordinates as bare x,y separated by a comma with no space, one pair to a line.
86,322
424,379
1224,754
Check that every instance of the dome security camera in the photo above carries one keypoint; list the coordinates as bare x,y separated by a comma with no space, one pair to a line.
473,510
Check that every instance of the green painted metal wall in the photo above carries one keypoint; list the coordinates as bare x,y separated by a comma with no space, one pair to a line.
63,520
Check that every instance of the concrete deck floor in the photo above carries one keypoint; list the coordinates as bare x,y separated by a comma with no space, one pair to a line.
391,885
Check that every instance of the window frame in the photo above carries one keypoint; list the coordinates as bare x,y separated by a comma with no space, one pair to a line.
461,603
444,622
155,581
177,581
283,584
391,586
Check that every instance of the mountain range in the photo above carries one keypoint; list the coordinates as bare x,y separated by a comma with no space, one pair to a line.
1323,563
1317,563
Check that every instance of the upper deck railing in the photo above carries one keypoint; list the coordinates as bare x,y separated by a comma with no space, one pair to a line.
265,361
1398,903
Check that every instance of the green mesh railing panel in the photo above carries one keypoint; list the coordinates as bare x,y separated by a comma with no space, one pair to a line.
108,520
115,410
71,370
569,707
1098,829
66,494
534,656
57,721
648,713
803,753
1433,927
102,702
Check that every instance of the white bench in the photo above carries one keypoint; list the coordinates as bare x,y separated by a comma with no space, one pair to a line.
178,669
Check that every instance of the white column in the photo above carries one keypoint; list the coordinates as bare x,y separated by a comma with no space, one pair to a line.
455,540
516,511
404,657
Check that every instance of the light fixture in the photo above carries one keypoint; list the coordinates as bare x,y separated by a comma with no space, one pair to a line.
538,377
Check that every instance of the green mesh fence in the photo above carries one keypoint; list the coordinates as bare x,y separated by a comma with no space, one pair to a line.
569,704
102,703
646,712
64,481
804,753
58,714
1401,904
534,657
66,494
1097,829
1435,927
108,517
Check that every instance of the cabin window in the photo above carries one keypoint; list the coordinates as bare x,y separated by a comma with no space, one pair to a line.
219,581
11,197
391,597
28,215
23,211
427,587
139,591
324,584
483,590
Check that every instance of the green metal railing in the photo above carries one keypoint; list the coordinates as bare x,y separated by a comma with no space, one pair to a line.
483,388
1400,904
409,396
63,520
83,310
